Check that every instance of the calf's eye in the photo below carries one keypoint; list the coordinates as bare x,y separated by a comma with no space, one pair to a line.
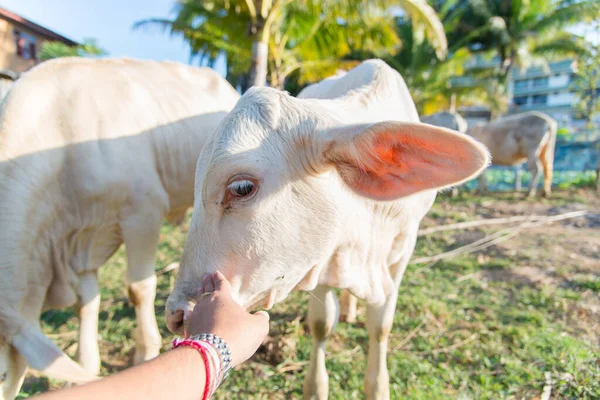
241,188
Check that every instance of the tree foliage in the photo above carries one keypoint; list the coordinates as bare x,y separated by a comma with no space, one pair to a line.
311,37
308,40
520,34
50,50
587,84
487,40
433,80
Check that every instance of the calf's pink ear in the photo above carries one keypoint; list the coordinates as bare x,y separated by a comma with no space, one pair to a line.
390,160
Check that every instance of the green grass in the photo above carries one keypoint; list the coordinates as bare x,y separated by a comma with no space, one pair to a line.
589,284
582,180
476,338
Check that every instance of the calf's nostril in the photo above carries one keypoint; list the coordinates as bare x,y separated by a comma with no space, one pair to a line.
175,321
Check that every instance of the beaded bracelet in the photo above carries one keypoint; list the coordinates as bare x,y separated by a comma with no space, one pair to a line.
216,355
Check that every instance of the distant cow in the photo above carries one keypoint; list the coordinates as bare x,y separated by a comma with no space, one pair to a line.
511,140
320,193
447,119
93,154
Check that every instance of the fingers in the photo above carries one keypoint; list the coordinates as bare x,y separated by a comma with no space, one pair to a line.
221,283
207,284
263,318
263,314
205,288
212,283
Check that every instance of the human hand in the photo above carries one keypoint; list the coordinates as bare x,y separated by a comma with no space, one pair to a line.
216,312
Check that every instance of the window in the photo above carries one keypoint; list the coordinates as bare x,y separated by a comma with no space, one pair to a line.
520,100
32,51
26,45
18,43
540,82
540,99
521,84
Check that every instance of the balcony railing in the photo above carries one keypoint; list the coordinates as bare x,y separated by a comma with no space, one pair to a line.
540,106
539,89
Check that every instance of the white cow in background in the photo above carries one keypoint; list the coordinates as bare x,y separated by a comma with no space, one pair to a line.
317,194
447,119
93,154
529,136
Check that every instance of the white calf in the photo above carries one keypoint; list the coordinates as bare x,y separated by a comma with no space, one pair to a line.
94,153
317,194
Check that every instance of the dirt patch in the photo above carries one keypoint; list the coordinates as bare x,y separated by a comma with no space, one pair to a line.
565,247
527,275
559,255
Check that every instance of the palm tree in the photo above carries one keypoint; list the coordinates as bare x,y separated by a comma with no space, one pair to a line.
286,35
515,34
316,44
432,79
521,33
211,30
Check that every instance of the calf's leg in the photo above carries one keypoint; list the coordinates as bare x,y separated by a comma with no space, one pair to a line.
323,314
518,179
140,234
379,326
12,364
482,183
12,371
88,353
534,164
547,161
347,307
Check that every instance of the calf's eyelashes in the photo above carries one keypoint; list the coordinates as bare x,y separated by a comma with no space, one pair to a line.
240,189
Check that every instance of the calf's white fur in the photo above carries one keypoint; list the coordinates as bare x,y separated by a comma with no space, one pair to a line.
318,193
93,154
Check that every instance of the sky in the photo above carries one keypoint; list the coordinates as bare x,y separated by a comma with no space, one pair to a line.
110,23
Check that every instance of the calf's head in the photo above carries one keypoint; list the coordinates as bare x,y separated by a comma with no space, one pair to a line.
279,180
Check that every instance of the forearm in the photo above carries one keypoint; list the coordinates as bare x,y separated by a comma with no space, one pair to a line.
177,374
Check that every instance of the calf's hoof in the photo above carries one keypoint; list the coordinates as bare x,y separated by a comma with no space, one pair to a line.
349,318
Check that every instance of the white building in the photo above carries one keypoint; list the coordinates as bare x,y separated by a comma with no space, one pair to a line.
548,90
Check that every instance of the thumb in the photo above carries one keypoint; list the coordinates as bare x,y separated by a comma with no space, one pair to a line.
263,314
263,319
221,283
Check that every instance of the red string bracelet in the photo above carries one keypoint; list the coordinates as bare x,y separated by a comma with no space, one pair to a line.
203,352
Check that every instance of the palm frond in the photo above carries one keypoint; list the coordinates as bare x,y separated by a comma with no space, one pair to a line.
424,15
568,13
562,44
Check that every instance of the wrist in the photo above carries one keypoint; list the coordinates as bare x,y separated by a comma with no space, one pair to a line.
215,355
189,357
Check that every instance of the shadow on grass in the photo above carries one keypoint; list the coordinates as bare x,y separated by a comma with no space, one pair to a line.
58,318
33,385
